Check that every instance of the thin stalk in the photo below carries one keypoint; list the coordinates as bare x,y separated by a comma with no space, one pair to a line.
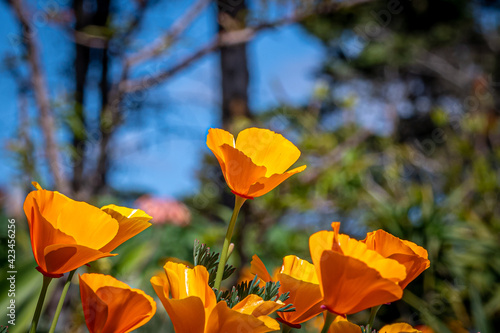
373,314
285,328
61,301
330,317
39,304
238,202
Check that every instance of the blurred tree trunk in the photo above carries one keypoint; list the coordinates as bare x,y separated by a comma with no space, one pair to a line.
82,59
84,56
100,181
233,61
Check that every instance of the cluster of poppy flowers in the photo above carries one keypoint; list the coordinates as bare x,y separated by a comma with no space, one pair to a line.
346,275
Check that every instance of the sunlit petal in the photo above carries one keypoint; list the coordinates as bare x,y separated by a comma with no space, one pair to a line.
240,171
350,285
216,138
224,319
264,185
306,297
412,256
388,269
256,306
299,269
130,223
267,148
88,225
185,281
344,327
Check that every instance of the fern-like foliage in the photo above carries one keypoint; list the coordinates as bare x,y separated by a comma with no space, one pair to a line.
270,292
202,256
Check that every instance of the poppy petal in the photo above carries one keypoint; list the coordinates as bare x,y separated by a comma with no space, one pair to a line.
42,232
181,311
187,314
319,242
264,185
299,269
240,172
126,308
94,309
88,225
49,202
224,319
414,266
267,148
412,256
350,285
130,223
216,138
418,250
184,282
306,298
258,268
256,306
62,258
388,268
344,327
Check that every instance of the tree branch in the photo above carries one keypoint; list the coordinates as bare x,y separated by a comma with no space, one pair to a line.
41,97
129,86
227,39
171,36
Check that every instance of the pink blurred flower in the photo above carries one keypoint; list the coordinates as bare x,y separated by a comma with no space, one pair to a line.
164,210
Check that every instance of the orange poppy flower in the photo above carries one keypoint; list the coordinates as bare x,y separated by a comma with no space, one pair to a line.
298,277
344,327
66,234
256,162
412,256
399,328
351,276
110,305
192,304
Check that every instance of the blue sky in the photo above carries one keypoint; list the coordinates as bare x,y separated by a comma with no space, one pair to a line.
160,151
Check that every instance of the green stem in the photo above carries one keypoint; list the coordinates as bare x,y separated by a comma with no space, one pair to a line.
330,317
285,328
373,314
39,304
61,301
227,240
